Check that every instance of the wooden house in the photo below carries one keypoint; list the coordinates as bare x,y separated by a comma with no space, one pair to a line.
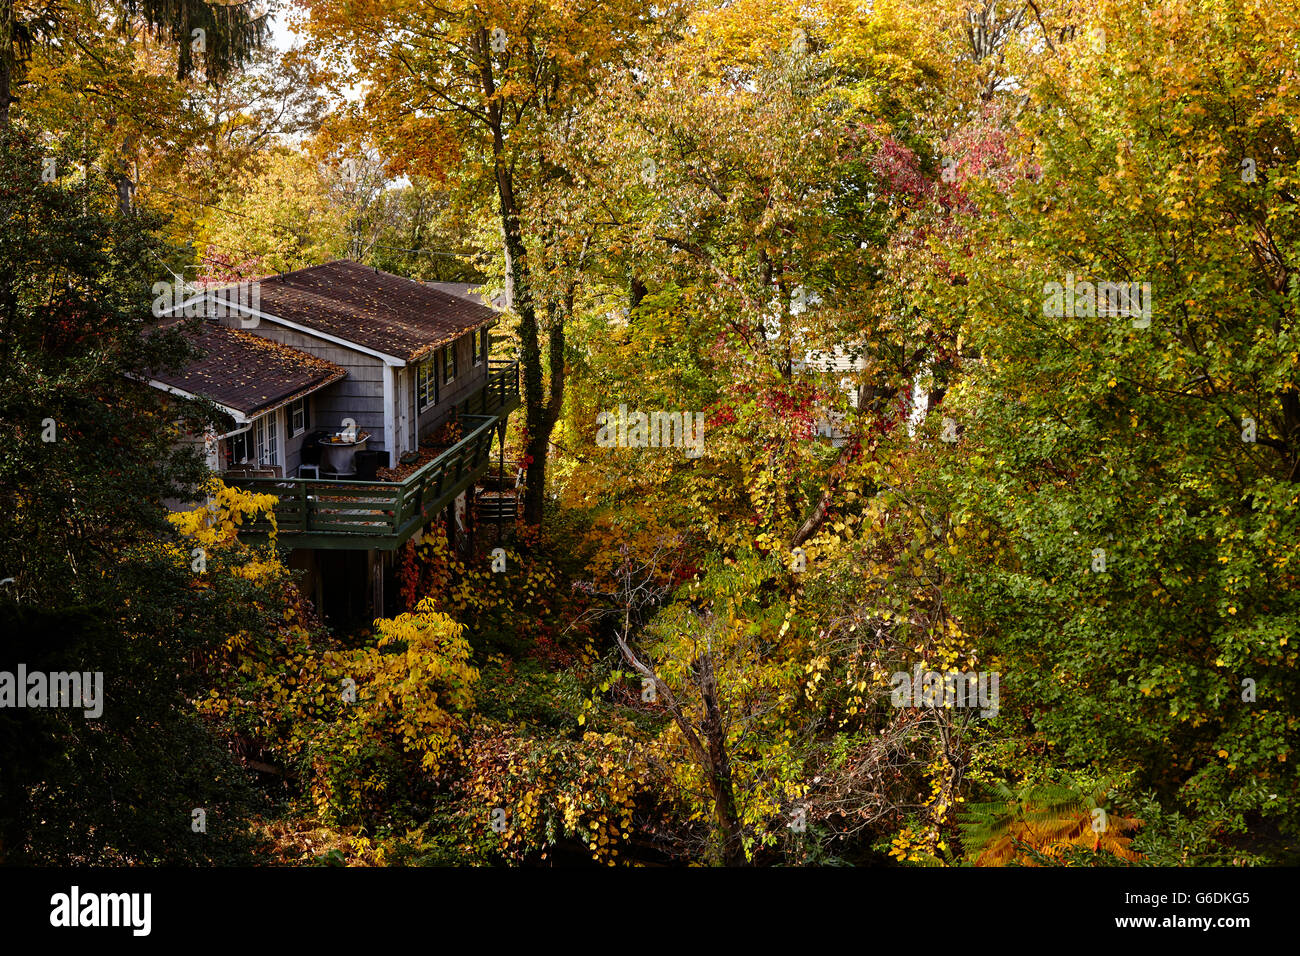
320,369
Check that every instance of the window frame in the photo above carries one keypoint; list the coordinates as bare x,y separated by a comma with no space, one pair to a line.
426,385
240,443
449,363
295,408
266,439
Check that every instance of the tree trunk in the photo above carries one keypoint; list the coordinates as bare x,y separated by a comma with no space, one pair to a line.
530,358
543,424
8,58
719,769
539,417
520,288
710,753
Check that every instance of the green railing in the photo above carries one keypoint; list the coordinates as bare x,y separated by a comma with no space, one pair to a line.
328,513
500,392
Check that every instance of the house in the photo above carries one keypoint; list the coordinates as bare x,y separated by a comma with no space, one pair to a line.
366,402
847,362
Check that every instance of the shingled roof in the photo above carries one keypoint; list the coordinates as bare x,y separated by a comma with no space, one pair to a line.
398,317
248,373
474,291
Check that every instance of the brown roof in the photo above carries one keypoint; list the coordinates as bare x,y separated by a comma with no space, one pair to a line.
248,373
386,313
474,291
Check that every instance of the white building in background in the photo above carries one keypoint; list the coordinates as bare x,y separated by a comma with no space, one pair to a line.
849,361
846,361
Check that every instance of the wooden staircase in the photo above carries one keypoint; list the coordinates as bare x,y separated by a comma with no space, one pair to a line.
497,496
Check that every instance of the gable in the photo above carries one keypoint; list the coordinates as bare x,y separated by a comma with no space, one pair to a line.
387,314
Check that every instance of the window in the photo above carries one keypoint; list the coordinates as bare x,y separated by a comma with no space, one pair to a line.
449,364
298,422
426,385
480,346
266,439
239,449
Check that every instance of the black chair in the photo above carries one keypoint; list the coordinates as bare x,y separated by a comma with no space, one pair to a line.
368,464
311,453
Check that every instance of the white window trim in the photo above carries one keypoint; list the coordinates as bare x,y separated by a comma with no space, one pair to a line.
242,438
430,371
260,437
295,432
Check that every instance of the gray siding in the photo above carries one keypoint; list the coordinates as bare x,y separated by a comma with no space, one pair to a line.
468,378
359,396
293,443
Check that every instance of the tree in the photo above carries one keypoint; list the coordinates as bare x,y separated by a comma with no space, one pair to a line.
421,234
1129,438
222,35
93,580
280,215
753,188
274,101
641,588
478,87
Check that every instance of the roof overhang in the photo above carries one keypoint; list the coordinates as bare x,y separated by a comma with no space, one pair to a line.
239,417
234,306
242,417
428,350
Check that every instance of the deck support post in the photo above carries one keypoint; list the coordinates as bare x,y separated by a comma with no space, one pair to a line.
501,472
469,517
376,582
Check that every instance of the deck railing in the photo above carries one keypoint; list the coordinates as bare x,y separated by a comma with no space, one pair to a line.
500,390
328,513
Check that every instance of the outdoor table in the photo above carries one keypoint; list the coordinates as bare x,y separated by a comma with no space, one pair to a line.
337,456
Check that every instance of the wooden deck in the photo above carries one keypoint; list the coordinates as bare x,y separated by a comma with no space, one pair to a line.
383,515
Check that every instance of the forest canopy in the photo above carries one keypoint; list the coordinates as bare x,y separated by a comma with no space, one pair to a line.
906,469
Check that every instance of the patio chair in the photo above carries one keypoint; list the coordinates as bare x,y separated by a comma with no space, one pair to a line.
311,453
